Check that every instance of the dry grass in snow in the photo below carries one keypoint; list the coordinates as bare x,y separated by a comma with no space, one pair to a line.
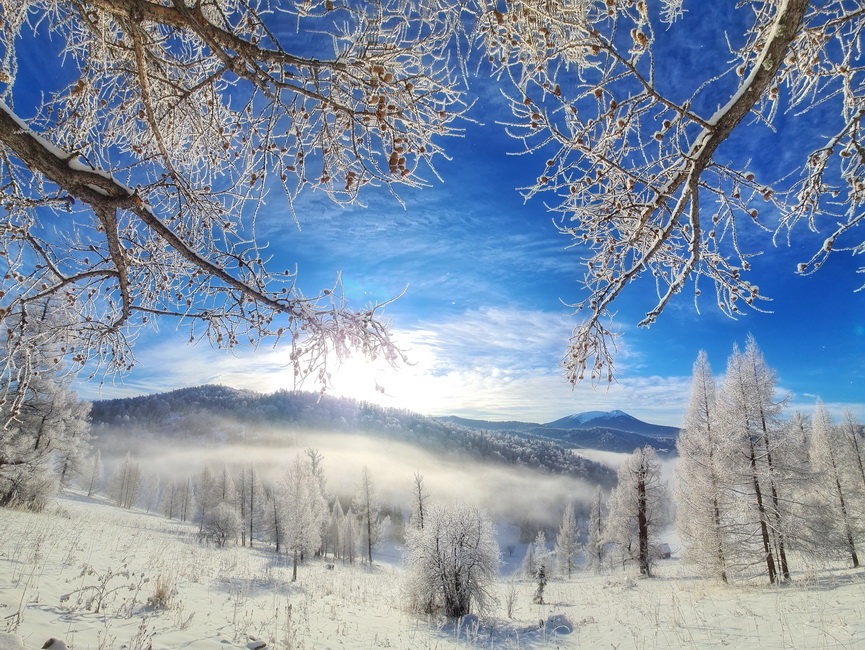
96,576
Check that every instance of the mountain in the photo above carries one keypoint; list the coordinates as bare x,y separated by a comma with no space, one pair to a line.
603,430
215,415
618,420
490,425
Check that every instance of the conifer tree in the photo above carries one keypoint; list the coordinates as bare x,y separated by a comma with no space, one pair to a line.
367,507
832,463
567,544
638,508
703,489
750,415
596,533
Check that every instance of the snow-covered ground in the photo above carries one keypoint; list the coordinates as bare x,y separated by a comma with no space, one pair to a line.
96,576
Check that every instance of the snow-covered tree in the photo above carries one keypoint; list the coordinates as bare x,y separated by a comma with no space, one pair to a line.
596,535
350,537
250,498
93,474
127,482
333,531
44,427
541,565
567,542
452,562
367,508
638,508
750,414
178,498
703,489
221,524
320,497
419,500
208,495
838,492
303,511
852,434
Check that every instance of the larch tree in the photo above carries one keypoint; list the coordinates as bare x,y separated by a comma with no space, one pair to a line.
837,490
367,507
208,495
703,489
452,562
419,501
94,473
852,433
304,511
638,508
750,414
596,534
127,483
567,542
541,566
315,460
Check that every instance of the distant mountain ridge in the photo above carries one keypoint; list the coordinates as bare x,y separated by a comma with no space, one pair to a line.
618,420
602,430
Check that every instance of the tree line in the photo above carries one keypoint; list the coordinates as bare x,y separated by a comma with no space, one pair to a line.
754,492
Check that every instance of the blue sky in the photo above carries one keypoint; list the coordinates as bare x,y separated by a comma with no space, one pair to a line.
483,320
486,277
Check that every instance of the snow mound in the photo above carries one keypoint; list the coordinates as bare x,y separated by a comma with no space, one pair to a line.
558,624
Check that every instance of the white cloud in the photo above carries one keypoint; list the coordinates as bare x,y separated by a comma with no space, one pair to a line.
489,362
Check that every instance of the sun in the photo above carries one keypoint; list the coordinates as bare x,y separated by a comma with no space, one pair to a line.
405,386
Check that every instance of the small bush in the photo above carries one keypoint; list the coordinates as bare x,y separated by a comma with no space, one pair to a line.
163,593
222,524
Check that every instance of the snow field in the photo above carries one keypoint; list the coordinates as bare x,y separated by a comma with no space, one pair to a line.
97,576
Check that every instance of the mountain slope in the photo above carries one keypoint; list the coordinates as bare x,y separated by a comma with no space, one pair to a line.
216,414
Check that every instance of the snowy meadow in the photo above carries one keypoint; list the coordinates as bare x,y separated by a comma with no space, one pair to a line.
97,576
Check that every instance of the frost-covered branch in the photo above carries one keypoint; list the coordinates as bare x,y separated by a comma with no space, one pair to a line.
133,190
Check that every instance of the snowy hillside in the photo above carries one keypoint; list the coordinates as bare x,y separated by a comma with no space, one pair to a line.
217,415
97,576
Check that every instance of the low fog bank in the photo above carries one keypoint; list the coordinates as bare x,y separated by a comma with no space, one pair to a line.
507,492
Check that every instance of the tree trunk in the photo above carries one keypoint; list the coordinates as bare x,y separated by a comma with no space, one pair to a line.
643,527
764,528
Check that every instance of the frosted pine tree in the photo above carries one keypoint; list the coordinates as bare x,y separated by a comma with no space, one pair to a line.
542,561
367,507
596,534
703,489
836,484
851,432
638,508
567,543
93,474
304,509
750,415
